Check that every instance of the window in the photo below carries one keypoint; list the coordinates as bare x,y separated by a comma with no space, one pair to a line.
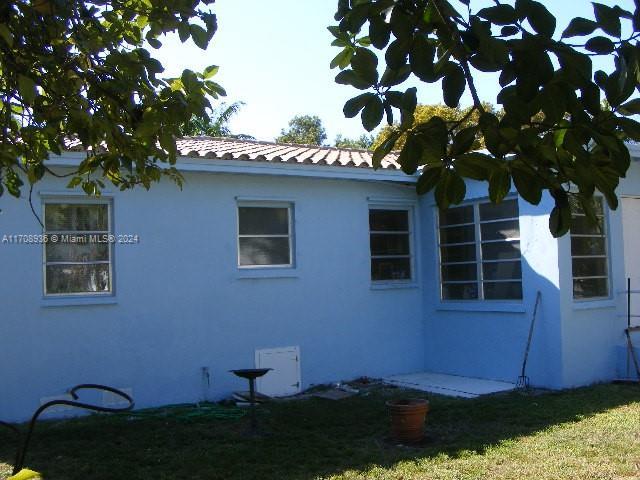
390,242
264,236
77,255
480,252
589,253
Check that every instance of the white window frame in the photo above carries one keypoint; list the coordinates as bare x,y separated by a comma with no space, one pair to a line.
290,235
478,242
606,256
409,233
76,200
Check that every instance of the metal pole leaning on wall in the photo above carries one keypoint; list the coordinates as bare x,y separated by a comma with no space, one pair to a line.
631,352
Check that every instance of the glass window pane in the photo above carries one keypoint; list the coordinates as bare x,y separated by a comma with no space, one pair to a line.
590,287
389,220
587,246
389,244
500,230
502,290
582,225
456,215
71,217
589,267
460,291
84,249
264,251
390,269
501,271
458,253
459,272
576,208
505,209
457,234
500,250
77,278
263,221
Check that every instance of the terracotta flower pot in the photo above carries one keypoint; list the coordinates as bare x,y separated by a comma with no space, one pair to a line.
408,418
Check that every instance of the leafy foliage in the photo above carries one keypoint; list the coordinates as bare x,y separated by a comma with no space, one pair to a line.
81,69
459,118
303,130
363,142
554,134
216,124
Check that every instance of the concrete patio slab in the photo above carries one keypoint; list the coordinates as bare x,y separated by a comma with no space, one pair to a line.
451,385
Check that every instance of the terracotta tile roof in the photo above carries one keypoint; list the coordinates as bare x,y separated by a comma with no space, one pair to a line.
259,151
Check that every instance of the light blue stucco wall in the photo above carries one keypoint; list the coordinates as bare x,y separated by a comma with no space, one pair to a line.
487,338
181,303
593,331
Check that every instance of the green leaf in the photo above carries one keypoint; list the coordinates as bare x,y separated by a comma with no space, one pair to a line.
632,107
579,27
349,77
428,179
210,71
453,86
342,59
365,64
499,184
600,45
396,54
372,113
450,188
384,148
630,127
421,58
353,106
560,221
199,35
463,140
27,88
379,31
499,14
409,100
540,19
391,78
154,42
184,32
6,35
526,182
410,155
509,31
456,188
25,474
474,165
608,19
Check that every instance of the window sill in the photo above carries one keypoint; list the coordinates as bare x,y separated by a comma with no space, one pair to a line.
482,306
393,285
78,301
593,304
266,273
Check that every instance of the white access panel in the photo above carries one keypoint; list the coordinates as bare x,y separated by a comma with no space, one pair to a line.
284,379
630,229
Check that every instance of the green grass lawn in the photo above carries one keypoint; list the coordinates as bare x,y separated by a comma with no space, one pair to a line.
589,433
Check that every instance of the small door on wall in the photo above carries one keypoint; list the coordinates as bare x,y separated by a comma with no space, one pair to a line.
630,229
284,379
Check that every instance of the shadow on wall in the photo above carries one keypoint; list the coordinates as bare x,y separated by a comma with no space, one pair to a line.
309,438
487,338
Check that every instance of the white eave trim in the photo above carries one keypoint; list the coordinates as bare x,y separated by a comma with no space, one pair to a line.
255,167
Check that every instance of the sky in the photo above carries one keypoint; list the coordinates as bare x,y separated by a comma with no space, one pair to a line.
274,56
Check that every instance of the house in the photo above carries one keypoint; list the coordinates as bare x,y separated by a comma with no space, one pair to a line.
307,259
